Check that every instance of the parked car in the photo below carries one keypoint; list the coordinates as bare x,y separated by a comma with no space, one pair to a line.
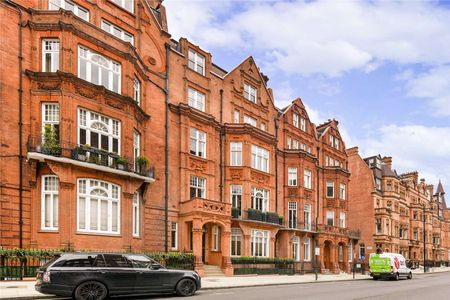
100,275
388,265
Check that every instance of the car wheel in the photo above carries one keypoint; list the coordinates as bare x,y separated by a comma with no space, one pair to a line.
410,275
397,277
186,287
91,290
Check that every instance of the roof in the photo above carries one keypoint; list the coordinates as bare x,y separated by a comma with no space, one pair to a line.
387,171
440,189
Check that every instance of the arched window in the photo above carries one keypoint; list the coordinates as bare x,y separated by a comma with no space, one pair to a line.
98,206
260,199
260,243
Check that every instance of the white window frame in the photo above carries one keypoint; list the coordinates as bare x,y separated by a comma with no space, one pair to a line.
329,184
259,243
136,147
196,99
330,216
199,184
302,124
289,142
292,215
250,93
236,116
88,119
295,118
307,178
260,199
50,116
104,64
136,215
216,238
295,144
342,191
250,120
85,188
50,47
65,4
197,142
50,189
196,62
123,4
260,158
117,32
174,231
296,248
236,196
342,219
235,154
263,126
137,90
236,236
307,217
306,249
292,176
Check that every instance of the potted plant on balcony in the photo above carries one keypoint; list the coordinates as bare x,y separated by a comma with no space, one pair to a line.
272,218
235,212
280,220
255,214
141,162
79,153
121,163
50,141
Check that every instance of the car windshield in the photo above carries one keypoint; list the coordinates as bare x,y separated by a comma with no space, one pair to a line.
141,261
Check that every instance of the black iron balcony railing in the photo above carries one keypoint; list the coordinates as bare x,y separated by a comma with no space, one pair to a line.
84,153
306,226
257,215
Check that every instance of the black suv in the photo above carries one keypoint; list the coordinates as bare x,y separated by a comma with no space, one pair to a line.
99,275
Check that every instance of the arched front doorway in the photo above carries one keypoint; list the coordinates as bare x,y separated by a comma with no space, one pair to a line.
327,255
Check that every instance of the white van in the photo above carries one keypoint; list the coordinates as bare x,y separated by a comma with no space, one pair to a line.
388,265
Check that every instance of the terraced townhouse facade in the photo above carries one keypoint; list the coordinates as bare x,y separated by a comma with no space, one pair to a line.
132,141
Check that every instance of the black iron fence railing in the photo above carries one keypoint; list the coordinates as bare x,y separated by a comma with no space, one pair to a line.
257,215
88,154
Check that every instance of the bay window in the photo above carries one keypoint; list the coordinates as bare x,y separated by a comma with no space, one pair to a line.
98,69
295,144
292,176
69,5
198,142
50,55
117,32
98,131
98,206
307,179
260,158
50,203
197,187
260,199
236,153
259,243
196,99
236,242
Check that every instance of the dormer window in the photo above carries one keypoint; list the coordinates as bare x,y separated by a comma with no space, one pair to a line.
196,62
250,92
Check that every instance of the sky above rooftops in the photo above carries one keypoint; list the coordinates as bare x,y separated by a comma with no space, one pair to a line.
381,68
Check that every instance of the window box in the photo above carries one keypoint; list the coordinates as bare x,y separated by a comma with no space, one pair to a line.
122,163
79,153
235,212
272,217
254,214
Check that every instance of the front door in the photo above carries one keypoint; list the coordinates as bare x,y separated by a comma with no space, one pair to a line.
326,256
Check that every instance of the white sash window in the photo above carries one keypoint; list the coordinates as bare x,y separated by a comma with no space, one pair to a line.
50,203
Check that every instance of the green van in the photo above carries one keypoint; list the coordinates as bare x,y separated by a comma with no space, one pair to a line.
388,265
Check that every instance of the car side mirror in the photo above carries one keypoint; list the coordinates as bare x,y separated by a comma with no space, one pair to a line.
155,266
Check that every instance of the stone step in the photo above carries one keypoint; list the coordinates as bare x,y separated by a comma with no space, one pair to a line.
212,271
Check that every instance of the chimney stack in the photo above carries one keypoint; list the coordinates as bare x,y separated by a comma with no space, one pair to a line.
387,160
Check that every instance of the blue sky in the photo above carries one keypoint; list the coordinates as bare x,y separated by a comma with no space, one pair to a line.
381,68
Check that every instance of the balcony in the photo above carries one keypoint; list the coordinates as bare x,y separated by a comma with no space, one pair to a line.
205,206
88,157
354,234
383,211
332,229
301,226
259,216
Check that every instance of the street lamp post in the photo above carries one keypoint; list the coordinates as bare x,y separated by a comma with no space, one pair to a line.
424,242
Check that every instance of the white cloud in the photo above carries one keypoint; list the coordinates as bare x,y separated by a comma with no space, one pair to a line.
326,37
434,86
413,148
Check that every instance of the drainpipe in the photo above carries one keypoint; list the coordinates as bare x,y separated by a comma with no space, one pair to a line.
276,166
166,150
222,174
315,236
16,7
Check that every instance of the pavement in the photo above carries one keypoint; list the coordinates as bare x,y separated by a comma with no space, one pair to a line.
25,289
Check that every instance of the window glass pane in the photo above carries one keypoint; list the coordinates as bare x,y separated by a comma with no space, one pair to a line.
94,139
117,261
105,142
104,215
55,211
81,213
115,216
94,214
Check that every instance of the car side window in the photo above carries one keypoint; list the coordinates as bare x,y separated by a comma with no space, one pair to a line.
77,261
117,261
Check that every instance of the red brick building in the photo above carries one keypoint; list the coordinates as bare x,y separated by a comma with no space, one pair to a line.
128,140
394,207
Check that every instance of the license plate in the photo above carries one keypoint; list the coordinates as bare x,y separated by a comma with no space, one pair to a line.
376,274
